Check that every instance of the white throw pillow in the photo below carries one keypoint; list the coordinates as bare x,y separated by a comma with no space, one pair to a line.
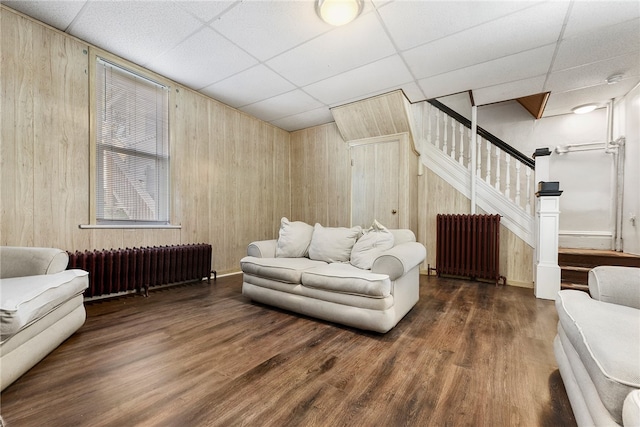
373,242
293,239
333,244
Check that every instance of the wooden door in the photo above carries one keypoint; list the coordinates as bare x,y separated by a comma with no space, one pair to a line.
375,184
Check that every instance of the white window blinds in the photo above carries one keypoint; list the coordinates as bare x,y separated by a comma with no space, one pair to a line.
132,147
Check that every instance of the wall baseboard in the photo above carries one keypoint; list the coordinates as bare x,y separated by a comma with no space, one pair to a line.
519,284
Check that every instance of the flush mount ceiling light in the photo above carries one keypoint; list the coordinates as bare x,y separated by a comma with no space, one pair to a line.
614,79
583,109
338,12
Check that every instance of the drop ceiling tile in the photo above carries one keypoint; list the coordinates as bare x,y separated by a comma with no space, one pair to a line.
600,44
205,11
412,23
280,106
58,14
499,71
507,91
342,49
380,75
137,31
202,59
249,86
268,28
594,74
563,102
587,16
536,26
304,120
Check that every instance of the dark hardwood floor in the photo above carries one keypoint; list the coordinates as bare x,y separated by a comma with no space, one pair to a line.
468,354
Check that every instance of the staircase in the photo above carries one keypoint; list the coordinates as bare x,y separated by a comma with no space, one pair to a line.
576,263
503,176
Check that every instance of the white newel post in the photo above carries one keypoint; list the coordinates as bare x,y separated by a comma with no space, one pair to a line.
547,278
540,174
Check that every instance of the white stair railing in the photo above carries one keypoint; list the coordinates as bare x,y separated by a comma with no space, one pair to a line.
498,168
503,176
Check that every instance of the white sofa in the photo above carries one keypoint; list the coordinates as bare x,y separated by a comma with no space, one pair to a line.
41,305
335,288
598,347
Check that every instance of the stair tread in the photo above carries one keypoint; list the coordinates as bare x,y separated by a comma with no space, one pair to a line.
574,268
589,258
576,286
596,252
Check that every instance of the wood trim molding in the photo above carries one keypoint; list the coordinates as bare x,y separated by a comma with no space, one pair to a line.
535,104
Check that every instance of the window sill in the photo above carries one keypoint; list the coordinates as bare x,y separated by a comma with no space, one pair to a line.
129,226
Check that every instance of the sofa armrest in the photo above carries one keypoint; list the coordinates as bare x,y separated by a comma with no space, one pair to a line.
262,249
397,261
17,261
617,285
631,409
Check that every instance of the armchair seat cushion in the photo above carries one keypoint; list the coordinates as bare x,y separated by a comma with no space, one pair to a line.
345,278
606,338
24,300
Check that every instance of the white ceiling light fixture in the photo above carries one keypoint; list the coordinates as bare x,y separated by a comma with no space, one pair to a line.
338,12
611,80
583,109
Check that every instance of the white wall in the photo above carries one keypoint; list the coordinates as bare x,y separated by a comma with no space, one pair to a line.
587,205
629,126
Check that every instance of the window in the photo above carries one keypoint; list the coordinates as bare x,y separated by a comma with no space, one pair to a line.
132,147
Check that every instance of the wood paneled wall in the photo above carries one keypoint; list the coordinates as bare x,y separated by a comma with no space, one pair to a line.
320,177
230,171
44,117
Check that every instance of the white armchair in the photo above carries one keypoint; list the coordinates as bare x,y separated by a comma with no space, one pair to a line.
598,347
41,305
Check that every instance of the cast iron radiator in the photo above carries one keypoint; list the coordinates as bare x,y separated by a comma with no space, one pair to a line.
469,246
112,271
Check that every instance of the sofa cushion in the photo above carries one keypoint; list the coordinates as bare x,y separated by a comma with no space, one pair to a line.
370,245
288,270
347,279
26,299
333,244
293,239
605,336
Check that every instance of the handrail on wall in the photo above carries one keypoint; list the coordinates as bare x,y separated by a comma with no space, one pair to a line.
528,161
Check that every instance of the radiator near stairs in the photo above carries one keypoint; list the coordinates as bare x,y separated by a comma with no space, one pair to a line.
114,271
469,246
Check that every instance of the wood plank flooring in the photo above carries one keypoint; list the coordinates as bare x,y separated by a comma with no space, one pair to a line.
468,354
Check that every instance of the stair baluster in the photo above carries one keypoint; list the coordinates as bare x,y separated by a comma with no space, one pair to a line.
461,144
479,151
438,129
529,194
497,185
507,189
445,116
518,183
453,138
488,176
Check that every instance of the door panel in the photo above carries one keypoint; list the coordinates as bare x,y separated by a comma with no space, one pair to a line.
375,184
